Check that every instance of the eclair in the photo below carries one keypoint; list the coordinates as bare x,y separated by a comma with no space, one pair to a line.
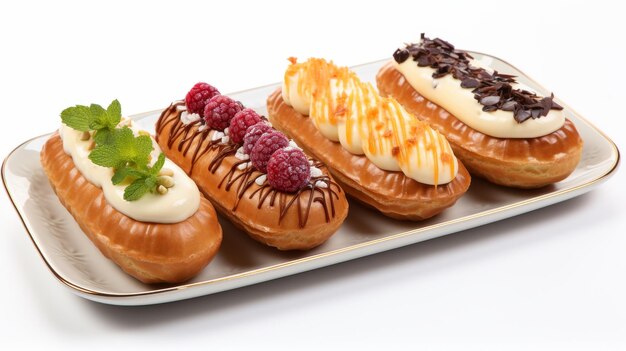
140,209
379,153
500,129
253,174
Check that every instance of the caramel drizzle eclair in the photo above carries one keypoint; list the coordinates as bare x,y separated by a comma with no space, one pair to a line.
377,151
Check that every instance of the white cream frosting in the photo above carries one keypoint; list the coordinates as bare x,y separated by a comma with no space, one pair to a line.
179,203
424,154
448,93
296,96
351,112
379,138
320,108
350,128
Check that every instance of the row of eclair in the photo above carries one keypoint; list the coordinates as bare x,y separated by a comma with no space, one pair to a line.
407,150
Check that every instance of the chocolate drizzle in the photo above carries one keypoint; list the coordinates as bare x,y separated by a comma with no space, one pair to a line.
242,180
187,133
492,90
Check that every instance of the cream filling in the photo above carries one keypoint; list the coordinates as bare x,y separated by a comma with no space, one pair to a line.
424,154
350,128
447,93
299,99
378,135
179,203
323,108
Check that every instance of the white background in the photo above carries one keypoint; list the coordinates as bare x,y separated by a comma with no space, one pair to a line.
551,279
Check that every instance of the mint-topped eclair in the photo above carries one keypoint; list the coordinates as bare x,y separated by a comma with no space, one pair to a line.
139,208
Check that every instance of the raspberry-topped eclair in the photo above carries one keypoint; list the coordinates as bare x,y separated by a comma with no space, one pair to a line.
253,174
377,151
502,130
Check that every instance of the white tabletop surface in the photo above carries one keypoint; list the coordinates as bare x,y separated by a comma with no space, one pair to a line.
551,279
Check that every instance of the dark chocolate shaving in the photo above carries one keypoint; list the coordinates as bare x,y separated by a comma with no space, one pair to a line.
490,100
401,55
492,90
469,83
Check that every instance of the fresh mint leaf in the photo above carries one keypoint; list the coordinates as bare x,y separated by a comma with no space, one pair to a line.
124,172
114,112
136,190
158,164
124,141
104,136
93,117
143,143
131,148
151,182
99,117
124,148
123,135
119,175
117,148
77,117
105,156
96,125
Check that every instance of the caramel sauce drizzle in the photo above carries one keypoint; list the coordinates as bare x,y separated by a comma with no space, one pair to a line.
241,180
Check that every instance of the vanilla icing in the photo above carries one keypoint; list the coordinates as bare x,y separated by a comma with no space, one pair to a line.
179,203
295,95
448,93
351,127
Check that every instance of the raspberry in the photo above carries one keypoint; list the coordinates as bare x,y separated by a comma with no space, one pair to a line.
198,96
240,123
288,170
265,147
253,133
219,110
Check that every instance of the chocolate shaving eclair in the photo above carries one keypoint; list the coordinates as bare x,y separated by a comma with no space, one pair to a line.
286,220
341,103
542,158
150,252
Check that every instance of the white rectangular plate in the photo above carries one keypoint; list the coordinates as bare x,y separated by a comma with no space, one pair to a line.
78,264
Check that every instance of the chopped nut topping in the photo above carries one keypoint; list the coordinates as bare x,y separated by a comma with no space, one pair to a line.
166,172
162,190
166,181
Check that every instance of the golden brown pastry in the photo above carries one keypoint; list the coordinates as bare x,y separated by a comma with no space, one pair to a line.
246,186
367,142
526,142
150,252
